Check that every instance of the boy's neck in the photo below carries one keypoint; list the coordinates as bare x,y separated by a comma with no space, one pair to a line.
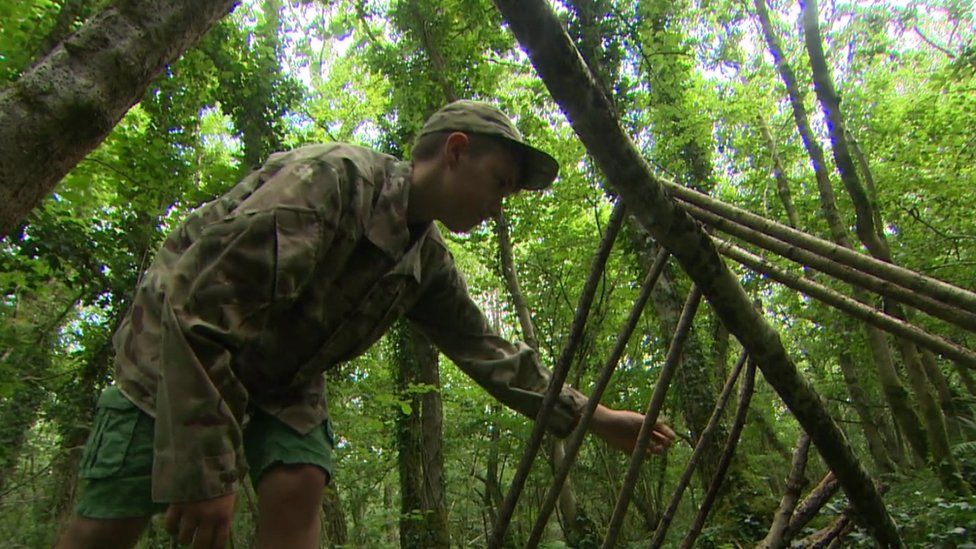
423,197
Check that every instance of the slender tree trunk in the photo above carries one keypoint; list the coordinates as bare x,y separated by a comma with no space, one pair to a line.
434,494
18,412
720,354
873,239
693,384
882,448
869,422
769,436
897,396
954,408
66,104
592,117
668,83
779,175
74,432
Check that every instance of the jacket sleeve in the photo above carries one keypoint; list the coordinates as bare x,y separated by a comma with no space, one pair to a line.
511,373
218,295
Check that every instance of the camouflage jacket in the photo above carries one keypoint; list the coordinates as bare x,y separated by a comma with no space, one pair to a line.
301,266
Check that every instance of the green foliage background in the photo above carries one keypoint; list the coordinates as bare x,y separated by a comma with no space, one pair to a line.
690,79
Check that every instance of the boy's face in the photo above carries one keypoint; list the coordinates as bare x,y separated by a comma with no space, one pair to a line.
477,184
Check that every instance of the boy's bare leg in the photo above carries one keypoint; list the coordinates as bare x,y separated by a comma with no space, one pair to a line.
89,533
289,507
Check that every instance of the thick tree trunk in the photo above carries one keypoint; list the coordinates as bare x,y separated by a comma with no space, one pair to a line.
869,422
423,514
334,531
823,84
561,68
65,105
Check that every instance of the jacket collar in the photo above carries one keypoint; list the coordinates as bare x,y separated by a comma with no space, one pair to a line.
388,229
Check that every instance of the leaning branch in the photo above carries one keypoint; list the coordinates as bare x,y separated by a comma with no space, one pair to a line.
848,305
811,505
934,288
706,436
795,481
868,281
576,439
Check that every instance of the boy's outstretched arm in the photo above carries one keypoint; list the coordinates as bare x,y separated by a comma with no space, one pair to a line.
621,427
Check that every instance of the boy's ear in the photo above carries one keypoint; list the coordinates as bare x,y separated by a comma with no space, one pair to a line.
455,146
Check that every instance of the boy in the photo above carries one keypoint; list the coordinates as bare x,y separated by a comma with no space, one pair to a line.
301,266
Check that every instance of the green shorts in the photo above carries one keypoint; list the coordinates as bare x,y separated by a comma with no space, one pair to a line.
116,465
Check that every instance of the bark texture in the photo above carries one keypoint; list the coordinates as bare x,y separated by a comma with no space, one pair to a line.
66,104
594,120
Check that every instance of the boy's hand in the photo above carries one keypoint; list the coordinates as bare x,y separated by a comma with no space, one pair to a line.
621,427
205,523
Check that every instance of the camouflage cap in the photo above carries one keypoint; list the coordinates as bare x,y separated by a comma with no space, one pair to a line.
539,169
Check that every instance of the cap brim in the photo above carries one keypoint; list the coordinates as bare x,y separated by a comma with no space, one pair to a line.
539,169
